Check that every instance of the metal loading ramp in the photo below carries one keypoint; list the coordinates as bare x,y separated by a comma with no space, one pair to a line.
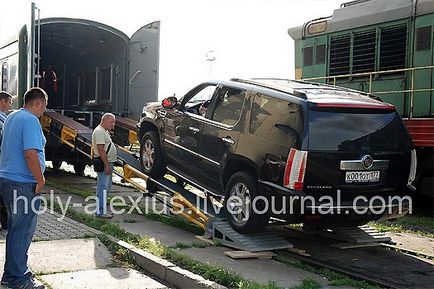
351,235
264,241
198,208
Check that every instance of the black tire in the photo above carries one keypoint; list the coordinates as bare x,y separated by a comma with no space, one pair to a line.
79,168
56,165
151,157
245,186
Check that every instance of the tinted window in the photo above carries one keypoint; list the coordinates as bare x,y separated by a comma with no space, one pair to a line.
229,103
344,131
201,96
273,119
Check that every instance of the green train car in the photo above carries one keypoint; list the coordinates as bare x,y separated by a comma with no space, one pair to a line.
382,47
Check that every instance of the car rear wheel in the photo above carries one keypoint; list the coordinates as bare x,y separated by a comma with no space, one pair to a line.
245,215
151,157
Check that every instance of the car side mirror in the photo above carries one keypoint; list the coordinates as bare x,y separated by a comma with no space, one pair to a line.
169,102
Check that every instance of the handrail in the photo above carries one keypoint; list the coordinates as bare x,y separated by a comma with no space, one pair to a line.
412,90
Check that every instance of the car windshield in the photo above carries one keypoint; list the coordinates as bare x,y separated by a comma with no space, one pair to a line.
348,131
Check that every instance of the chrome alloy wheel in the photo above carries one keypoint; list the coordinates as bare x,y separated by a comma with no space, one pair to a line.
239,203
148,155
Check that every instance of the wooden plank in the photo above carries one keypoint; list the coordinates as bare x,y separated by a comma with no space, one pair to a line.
248,255
298,252
205,240
354,245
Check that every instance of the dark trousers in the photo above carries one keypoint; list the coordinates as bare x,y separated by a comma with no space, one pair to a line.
3,215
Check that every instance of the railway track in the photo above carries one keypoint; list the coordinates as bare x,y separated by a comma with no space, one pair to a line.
385,265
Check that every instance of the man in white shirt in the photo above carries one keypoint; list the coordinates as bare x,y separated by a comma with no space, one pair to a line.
104,148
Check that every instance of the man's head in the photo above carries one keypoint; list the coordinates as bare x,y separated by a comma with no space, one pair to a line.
35,100
108,121
5,101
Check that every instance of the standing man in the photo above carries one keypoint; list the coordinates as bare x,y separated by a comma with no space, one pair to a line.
22,165
5,106
104,148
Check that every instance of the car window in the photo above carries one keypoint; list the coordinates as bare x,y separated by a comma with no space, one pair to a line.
276,120
228,106
346,131
201,96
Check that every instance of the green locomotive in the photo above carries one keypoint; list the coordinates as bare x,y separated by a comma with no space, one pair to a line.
382,47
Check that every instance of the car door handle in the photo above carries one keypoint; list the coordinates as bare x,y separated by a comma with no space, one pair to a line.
162,113
228,140
193,129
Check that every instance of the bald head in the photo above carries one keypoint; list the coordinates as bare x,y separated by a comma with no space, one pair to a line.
108,121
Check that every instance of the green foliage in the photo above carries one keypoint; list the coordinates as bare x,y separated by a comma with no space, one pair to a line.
419,225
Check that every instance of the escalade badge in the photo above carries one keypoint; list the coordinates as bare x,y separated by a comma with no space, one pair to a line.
367,161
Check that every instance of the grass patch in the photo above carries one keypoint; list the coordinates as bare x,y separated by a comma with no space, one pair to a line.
194,244
308,283
335,278
69,188
175,221
419,225
121,257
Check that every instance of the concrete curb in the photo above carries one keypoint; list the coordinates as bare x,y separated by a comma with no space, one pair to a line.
165,270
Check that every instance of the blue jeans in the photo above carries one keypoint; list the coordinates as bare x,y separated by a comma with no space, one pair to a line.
22,219
103,187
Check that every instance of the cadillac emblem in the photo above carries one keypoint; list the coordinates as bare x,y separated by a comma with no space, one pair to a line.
367,161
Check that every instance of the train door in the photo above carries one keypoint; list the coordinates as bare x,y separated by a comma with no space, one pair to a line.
143,68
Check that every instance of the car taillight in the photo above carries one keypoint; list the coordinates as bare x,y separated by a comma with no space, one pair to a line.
413,166
295,169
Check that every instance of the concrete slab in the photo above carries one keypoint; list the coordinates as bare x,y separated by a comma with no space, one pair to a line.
261,271
47,257
112,278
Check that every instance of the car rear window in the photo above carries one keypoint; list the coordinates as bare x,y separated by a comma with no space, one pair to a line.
357,131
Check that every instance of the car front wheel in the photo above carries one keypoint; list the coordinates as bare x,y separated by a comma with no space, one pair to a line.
151,157
245,214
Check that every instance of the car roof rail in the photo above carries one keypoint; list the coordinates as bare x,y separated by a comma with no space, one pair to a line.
288,90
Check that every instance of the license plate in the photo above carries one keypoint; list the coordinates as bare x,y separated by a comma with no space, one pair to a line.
362,177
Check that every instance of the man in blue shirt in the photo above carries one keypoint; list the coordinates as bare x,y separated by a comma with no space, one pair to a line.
5,106
22,165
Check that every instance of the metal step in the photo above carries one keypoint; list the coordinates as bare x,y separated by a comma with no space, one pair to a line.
362,234
263,241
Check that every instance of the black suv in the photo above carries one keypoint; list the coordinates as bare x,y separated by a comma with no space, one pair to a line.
292,150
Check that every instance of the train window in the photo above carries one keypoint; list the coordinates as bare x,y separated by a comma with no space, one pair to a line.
392,47
423,38
320,54
364,51
340,55
308,56
4,76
